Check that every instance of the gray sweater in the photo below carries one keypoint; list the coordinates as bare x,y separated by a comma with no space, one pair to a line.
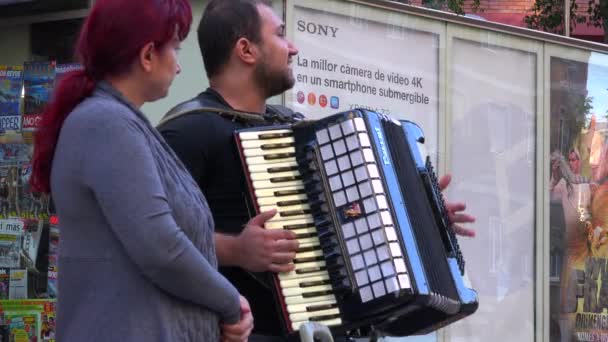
136,257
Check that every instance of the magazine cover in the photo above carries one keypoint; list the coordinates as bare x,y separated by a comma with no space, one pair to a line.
578,189
23,325
16,198
11,232
34,316
53,256
11,82
4,282
38,83
31,205
17,284
31,241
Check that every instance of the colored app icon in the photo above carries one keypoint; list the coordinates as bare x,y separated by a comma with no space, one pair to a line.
323,101
334,102
300,97
312,99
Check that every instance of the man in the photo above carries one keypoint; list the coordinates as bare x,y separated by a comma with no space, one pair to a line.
247,59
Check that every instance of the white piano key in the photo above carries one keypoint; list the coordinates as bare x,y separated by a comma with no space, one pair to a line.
309,254
309,267
310,307
297,282
294,275
282,224
255,168
260,160
292,216
331,322
286,208
309,242
305,290
258,143
256,135
309,315
304,300
266,184
272,192
264,201
254,152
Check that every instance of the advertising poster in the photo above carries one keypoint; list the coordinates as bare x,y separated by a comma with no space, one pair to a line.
38,83
11,82
334,73
579,199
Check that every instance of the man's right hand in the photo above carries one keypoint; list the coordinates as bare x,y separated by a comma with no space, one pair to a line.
261,249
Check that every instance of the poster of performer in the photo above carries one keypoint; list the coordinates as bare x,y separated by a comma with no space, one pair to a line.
38,83
10,97
579,199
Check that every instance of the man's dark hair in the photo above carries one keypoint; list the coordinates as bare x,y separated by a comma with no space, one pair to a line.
223,23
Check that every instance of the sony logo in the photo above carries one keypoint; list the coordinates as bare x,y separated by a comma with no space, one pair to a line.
385,157
318,29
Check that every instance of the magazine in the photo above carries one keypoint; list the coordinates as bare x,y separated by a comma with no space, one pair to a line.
11,232
38,82
11,82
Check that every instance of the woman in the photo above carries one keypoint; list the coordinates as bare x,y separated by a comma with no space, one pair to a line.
137,260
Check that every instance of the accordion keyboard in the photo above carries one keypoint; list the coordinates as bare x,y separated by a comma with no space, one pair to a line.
270,158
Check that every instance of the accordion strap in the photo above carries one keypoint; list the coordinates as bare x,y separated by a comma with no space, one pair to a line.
276,114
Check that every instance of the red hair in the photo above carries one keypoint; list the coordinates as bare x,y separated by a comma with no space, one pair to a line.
110,40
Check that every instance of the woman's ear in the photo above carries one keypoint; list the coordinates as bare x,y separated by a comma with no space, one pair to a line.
145,56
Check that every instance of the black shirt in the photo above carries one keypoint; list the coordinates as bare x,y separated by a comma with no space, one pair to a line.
204,141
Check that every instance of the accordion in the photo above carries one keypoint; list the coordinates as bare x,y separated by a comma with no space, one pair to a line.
376,251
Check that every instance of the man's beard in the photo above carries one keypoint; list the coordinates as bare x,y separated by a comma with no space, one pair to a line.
273,82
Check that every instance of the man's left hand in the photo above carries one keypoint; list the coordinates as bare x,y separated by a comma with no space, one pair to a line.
455,211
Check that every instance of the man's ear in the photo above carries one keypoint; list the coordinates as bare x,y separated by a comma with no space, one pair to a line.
145,56
246,51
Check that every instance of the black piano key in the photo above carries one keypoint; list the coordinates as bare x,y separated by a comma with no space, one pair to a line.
280,193
294,213
284,179
276,156
307,249
274,135
307,270
314,308
309,259
288,203
314,283
276,146
298,226
281,169
316,294
324,318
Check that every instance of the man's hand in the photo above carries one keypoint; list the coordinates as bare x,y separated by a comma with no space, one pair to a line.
261,249
455,211
239,332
